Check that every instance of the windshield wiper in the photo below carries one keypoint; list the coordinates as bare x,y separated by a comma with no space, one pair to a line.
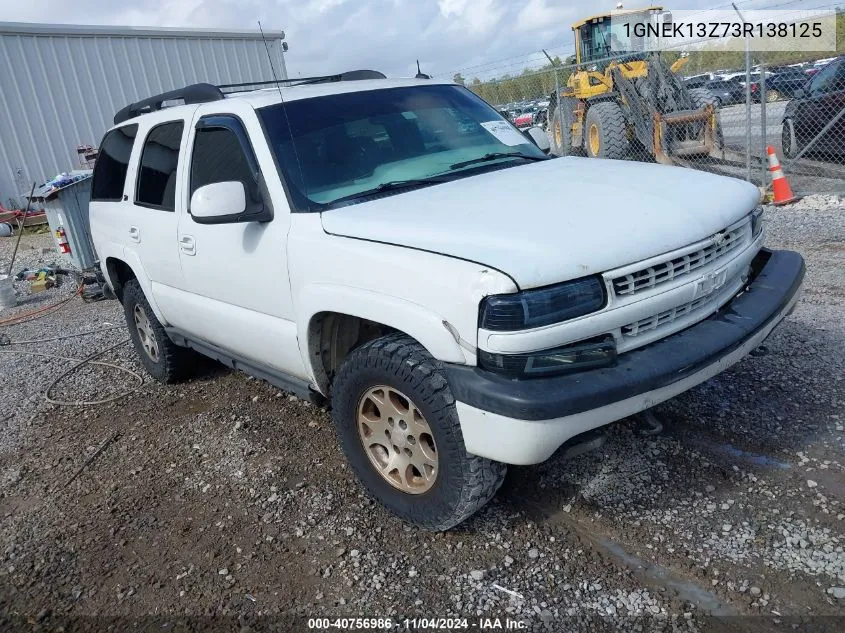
495,156
390,186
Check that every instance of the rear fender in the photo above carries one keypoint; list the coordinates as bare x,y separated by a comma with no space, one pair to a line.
132,260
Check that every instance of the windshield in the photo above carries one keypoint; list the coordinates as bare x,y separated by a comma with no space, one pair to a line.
343,145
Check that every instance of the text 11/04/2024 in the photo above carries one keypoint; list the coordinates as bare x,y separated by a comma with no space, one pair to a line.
416,624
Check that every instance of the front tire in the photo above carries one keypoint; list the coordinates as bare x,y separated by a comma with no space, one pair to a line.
398,427
162,358
606,135
561,129
788,140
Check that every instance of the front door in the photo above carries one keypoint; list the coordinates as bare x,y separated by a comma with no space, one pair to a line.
236,290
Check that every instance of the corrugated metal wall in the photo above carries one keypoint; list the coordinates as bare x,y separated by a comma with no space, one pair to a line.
61,85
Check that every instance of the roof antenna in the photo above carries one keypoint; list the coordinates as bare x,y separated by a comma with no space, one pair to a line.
281,97
420,73
270,59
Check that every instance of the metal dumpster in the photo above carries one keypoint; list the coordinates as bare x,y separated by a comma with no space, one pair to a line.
67,214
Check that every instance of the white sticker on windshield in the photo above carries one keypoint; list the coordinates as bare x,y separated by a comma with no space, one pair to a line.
504,132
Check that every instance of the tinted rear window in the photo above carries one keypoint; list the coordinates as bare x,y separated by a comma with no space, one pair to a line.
112,163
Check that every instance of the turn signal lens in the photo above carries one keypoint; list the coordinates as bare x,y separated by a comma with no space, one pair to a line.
590,354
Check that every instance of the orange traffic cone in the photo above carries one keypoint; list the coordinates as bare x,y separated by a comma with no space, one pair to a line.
780,185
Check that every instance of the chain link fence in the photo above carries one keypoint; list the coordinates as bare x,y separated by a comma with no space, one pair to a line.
761,100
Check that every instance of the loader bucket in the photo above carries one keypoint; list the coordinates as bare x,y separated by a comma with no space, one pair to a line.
701,144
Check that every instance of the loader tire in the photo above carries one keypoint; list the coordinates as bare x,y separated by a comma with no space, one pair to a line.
561,130
605,132
701,97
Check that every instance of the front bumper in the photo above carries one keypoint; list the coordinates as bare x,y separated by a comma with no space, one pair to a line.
525,421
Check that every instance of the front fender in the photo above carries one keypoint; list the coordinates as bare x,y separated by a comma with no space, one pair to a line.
417,321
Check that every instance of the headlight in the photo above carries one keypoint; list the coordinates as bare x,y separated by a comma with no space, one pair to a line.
589,354
756,222
536,308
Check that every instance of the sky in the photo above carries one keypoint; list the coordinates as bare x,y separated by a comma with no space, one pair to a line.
476,37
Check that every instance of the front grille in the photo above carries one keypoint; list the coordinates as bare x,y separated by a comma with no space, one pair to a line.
668,316
720,246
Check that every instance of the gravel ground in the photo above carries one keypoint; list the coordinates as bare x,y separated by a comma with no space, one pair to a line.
224,497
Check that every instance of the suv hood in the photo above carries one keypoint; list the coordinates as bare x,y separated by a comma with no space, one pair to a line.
555,220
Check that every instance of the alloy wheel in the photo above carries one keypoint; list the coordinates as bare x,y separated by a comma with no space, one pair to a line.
397,439
593,139
145,333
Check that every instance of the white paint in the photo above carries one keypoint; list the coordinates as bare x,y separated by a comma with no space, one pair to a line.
547,222
409,290
218,199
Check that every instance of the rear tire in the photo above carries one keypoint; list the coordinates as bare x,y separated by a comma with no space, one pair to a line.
605,132
383,391
162,358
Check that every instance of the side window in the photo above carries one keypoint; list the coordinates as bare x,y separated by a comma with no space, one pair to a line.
839,80
112,163
824,81
156,185
220,155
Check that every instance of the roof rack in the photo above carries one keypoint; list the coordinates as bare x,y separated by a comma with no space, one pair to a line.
351,75
195,93
205,93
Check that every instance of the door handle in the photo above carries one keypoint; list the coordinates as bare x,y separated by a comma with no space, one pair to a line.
134,234
187,245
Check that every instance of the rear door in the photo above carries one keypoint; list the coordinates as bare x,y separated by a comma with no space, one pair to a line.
151,216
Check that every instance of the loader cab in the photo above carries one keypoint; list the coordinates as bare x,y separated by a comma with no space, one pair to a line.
601,37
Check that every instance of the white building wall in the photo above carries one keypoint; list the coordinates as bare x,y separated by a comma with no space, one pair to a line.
60,85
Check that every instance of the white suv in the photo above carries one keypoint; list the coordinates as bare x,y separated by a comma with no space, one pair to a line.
397,249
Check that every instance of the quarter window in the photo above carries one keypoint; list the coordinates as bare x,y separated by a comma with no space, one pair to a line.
159,160
112,163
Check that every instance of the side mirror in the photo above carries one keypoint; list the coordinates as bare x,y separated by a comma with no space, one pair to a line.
539,138
225,203
798,93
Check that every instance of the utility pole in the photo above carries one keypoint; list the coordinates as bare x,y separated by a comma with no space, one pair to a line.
747,98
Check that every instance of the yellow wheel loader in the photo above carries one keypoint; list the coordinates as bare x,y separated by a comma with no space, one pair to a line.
623,99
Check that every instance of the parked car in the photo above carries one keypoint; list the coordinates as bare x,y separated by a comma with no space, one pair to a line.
726,92
780,84
525,119
461,301
698,81
820,103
